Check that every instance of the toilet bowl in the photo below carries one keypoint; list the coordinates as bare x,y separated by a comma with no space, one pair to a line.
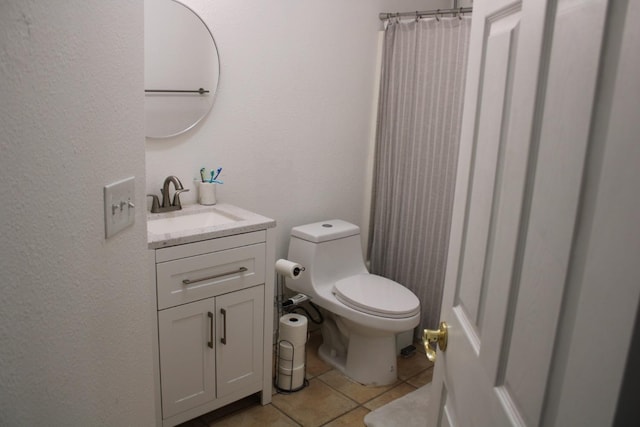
364,311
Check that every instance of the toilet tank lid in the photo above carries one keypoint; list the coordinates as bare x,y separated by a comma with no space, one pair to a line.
324,231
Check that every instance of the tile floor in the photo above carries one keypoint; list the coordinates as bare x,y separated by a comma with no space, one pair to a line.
331,399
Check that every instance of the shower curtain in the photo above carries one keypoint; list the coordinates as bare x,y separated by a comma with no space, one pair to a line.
419,118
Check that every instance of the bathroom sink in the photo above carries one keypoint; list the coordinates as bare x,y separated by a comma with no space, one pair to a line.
196,223
191,221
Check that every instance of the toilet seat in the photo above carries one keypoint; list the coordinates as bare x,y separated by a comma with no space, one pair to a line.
376,295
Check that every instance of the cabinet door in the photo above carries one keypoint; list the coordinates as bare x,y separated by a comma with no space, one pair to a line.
239,339
187,356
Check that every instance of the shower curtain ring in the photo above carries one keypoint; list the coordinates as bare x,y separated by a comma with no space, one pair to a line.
437,13
417,16
460,13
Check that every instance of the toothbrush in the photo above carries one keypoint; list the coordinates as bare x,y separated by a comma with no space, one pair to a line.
217,174
212,177
202,174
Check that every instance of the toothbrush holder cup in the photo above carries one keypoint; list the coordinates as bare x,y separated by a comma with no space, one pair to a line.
207,193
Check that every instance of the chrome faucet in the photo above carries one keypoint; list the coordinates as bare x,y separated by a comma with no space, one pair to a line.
167,204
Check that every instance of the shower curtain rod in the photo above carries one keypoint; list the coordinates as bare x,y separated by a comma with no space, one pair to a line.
419,14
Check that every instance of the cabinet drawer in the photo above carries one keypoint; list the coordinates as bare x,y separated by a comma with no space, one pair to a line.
190,279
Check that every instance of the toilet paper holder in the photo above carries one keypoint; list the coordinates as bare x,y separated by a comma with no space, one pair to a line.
291,353
289,269
284,382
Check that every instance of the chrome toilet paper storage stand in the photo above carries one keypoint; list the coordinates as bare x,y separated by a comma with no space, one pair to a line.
280,358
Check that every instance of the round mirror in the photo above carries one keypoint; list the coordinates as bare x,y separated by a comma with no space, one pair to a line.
181,68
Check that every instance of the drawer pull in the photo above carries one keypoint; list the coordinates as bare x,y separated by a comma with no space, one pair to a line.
215,276
210,342
223,340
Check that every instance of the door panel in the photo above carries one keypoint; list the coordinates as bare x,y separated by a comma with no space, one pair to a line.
501,42
186,361
239,357
556,162
446,417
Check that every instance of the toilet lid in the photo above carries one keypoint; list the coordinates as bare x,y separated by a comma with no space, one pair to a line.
376,295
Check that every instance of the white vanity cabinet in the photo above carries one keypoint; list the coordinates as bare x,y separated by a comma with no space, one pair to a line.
215,324
210,348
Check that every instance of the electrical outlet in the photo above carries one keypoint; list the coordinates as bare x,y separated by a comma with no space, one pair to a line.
119,209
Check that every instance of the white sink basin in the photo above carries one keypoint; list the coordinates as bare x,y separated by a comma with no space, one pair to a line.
187,222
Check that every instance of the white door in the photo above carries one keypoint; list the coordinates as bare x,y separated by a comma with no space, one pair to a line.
544,236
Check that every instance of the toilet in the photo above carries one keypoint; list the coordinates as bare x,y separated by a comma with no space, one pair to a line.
364,311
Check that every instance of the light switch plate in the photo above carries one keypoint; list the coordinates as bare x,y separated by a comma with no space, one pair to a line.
119,207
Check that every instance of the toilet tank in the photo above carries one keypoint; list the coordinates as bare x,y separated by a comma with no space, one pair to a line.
329,251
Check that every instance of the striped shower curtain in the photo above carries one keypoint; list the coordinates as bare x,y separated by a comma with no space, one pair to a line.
419,118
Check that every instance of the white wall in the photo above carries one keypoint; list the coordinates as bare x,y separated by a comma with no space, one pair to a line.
75,310
292,118
290,126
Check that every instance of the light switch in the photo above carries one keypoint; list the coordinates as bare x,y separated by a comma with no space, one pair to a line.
119,207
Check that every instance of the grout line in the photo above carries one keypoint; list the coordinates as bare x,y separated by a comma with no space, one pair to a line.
361,405
285,414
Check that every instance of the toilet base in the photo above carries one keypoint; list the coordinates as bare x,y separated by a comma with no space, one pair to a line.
369,360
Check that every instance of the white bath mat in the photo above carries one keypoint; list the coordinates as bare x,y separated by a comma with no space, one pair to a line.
408,411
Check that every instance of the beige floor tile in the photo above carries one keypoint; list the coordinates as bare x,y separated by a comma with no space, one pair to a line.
422,378
393,394
315,365
352,389
314,405
257,416
411,366
350,419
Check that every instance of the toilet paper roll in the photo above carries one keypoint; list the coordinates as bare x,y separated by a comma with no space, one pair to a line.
288,269
290,356
293,328
290,379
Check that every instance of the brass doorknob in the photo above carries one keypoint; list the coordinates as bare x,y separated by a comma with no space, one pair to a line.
438,336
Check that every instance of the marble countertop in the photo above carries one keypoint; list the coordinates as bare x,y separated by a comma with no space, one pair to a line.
246,222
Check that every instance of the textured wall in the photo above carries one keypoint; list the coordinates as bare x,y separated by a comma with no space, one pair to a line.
292,119
75,310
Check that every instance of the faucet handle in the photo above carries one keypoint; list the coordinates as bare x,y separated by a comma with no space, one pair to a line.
155,204
176,197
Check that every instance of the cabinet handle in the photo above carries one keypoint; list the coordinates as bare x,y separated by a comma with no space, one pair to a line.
223,339
215,276
210,343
